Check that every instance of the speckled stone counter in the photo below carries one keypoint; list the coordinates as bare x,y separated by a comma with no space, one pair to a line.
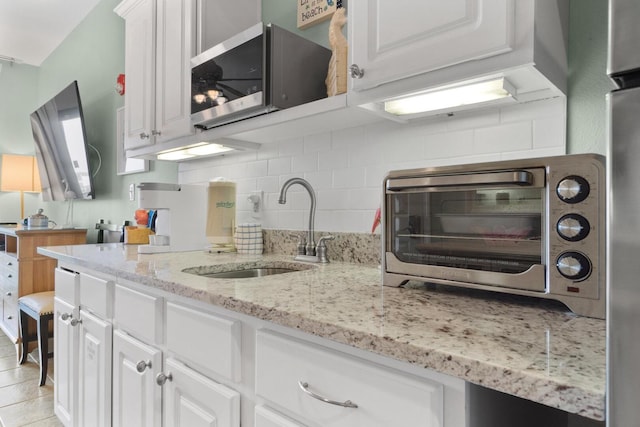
532,349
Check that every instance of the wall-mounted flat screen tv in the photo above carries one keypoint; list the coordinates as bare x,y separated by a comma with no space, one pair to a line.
61,147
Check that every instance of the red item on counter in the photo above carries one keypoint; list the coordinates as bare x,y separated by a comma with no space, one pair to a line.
141,216
376,221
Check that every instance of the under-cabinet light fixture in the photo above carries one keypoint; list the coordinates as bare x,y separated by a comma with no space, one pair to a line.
452,97
200,149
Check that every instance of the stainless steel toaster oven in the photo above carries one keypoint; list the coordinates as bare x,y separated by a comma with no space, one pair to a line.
531,227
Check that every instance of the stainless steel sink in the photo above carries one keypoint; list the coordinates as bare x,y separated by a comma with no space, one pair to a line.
249,272
246,271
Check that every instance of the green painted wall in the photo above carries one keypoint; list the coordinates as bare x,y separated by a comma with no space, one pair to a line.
588,81
93,54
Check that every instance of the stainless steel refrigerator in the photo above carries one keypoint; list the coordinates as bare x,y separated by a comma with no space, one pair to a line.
623,211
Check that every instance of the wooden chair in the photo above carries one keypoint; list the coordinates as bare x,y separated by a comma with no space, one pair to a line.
38,306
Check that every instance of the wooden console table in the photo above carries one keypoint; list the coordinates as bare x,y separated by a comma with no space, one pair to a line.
23,271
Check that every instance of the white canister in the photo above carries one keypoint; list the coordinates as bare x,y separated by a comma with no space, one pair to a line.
221,212
249,239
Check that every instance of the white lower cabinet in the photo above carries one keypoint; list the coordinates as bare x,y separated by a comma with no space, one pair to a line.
193,400
94,371
137,399
326,388
82,345
65,347
265,417
163,360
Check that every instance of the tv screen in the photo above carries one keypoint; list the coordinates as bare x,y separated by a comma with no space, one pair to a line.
61,147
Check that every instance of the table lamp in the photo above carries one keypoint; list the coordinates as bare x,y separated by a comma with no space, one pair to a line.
19,173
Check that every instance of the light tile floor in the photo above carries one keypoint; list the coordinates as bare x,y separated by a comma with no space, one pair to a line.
22,401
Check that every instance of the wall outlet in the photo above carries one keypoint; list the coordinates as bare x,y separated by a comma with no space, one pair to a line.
132,192
256,200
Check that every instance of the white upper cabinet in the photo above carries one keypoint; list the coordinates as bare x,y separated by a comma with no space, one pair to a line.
393,40
408,46
159,43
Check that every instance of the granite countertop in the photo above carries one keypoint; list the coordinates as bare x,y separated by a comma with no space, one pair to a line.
529,348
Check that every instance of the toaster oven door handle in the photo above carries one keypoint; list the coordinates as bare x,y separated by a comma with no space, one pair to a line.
518,177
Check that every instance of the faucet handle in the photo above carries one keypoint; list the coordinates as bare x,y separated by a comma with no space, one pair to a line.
321,249
302,242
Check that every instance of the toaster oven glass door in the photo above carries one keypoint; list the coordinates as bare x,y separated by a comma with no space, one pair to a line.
476,221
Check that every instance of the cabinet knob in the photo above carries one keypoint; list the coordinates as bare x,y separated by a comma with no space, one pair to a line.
161,378
142,365
156,132
9,317
74,322
9,263
8,294
9,276
356,72
66,316
144,135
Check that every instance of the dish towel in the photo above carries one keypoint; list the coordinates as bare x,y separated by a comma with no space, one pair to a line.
249,239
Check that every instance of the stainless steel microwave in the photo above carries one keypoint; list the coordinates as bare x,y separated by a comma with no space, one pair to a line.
532,227
263,69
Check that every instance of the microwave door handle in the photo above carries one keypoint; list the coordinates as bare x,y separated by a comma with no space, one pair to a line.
522,178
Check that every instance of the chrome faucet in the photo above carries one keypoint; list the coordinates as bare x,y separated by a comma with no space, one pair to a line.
311,244
308,252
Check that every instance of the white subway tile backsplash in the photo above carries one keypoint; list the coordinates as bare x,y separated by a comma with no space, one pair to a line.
279,166
334,159
448,144
364,198
348,178
333,200
320,180
508,137
524,112
304,163
346,167
291,147
549,132
318,142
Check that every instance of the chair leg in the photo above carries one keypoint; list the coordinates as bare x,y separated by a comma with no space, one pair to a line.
43,345
24,333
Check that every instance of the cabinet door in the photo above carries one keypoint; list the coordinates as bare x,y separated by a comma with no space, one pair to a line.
193,400
94,371
175,43
396,39
65,348
136,397
139,53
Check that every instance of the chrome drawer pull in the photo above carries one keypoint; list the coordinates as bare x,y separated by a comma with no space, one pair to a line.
346,403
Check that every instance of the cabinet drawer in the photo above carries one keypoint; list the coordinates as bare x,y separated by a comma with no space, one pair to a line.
265,417
209,341
67,286
139,314
384,397
10,317
96,295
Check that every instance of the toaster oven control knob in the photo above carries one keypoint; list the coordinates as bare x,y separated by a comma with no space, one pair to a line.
573,227
574,266
573,189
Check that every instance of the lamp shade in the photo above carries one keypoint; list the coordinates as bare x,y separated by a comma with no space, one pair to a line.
19,173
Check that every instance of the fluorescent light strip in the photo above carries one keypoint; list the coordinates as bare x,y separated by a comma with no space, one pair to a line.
452,97
201,149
